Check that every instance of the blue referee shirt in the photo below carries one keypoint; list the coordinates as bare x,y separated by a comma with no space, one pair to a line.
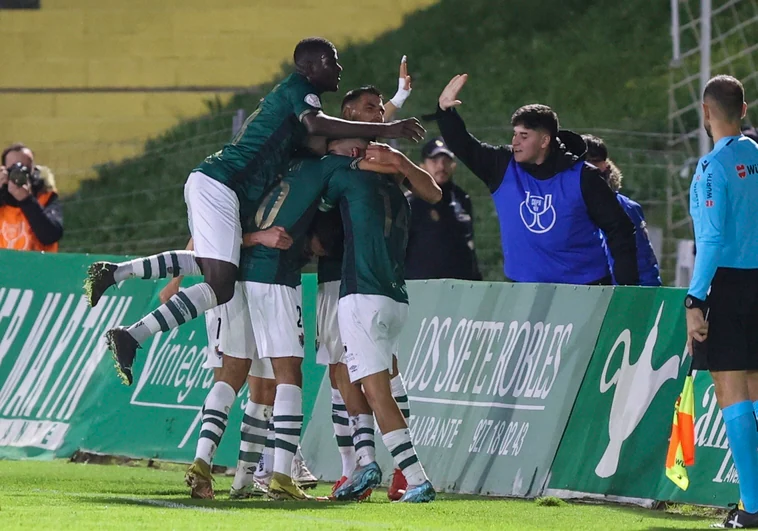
724,210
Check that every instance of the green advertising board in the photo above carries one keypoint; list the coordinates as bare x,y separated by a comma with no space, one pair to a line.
58,390
617,437
491,372
513,387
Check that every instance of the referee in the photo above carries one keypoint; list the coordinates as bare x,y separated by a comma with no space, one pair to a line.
724,209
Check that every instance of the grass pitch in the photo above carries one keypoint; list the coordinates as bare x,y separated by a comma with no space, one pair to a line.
62,495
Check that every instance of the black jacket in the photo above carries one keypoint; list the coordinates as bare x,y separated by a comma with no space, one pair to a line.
489,163
441,237
45,221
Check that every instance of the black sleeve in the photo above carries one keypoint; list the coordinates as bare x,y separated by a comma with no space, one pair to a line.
606,212
46,222
485,161
468,206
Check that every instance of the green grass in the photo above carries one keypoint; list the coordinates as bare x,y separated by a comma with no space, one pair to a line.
62,495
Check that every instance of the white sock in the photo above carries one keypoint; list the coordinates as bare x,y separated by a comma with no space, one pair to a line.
288,422
401,396
399,444
163,265
215,415
182,307
343,433
363,438
266,464
254,431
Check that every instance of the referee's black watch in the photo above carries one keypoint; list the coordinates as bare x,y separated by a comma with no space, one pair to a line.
693,302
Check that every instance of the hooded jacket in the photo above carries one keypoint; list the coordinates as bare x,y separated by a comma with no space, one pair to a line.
489,163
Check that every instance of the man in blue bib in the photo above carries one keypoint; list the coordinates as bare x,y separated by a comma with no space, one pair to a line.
551,204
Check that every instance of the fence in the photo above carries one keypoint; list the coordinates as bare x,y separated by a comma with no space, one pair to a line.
146,219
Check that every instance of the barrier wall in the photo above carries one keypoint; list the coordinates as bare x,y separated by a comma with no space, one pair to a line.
515,390
59,391
492,370
617,437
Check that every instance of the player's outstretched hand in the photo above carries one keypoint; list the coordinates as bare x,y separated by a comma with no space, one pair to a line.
405,79
409,128
449,96
274,237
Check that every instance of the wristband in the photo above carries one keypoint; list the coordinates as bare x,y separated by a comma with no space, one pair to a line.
401,95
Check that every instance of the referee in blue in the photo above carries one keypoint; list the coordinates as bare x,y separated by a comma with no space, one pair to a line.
724,209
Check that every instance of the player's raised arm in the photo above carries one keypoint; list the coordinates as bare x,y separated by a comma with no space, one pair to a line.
321,124
418,180
404,89
487,162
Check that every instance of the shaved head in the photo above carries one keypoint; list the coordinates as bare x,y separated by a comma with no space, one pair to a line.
310,51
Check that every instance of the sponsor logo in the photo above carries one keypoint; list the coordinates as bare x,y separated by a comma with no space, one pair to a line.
741,171
538,213
461,357
635,388
59,350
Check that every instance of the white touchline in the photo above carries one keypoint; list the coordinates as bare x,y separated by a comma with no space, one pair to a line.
166,406
525,407
172,505
175,505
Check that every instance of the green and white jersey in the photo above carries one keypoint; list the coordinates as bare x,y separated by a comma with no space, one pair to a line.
291,204
259,153
375,216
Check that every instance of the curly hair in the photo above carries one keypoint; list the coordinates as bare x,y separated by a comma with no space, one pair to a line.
614,176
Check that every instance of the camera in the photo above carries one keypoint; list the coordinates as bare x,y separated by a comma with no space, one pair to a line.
19,174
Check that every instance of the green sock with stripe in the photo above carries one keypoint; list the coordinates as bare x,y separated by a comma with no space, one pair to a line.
343,433
182,307
288,422
163,265
215,416
254,433
399,444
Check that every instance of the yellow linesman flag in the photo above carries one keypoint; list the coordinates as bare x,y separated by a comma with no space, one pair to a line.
681,452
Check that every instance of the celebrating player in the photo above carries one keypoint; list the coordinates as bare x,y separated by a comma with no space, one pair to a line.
350,412
224,189
373,307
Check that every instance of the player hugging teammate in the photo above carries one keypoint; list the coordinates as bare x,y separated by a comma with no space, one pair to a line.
251,281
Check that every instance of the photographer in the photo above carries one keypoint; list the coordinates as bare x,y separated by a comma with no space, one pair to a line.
31,218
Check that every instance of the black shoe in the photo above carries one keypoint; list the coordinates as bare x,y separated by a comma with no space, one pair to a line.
739,518
124,348
99,278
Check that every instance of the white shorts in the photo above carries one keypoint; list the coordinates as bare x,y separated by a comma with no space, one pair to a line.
277,319
213,211
328,340
230,332
370,327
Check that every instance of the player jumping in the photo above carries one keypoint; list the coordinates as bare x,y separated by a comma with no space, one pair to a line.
224,189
